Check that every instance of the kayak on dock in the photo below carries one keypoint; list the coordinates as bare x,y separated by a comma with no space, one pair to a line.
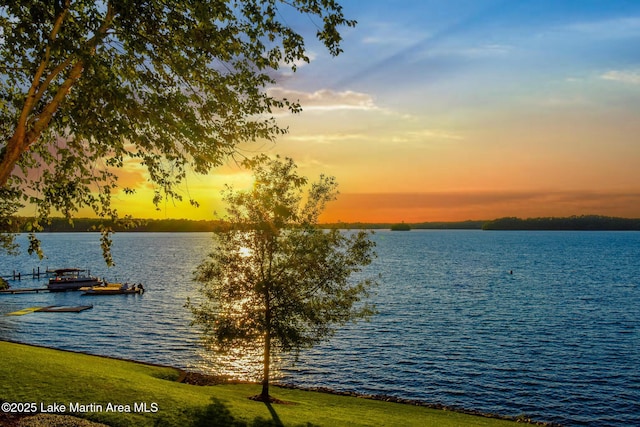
23,311
113,289
50,309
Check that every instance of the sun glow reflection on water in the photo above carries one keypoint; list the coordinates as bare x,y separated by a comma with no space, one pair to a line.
557,340
241,364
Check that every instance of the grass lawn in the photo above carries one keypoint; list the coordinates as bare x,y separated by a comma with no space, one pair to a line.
49,377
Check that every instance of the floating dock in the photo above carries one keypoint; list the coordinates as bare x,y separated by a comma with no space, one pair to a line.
50,309
23,311
24,290
56,309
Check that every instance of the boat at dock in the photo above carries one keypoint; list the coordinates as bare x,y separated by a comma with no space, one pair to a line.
113,289
71,279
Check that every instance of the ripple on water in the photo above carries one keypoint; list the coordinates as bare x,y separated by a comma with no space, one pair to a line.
557,340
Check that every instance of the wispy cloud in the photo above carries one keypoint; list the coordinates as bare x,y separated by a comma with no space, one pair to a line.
467,51
415,137
395,36
326,99
487,50
425,135
608,28
328,138
630,77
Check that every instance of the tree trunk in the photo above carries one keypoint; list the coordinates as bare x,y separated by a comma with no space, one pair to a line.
267,346
264,396
20,141
9,157
29,128
267,362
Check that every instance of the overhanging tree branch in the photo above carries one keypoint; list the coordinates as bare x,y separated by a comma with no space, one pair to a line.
36,89
174,86
29,128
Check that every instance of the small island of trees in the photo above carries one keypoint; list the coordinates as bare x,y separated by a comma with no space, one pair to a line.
401,227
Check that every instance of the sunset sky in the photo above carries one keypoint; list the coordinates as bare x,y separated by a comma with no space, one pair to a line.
461,109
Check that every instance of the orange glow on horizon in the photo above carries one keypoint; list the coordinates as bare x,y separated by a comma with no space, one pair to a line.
437,207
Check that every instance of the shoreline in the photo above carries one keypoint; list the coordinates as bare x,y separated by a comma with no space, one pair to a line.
199,379
582,222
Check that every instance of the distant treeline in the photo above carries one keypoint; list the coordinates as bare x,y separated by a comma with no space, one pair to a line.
583,223
62,225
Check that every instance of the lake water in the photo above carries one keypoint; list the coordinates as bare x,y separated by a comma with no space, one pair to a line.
557,340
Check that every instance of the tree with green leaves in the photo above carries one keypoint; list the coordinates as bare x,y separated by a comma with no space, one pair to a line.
87,85
275,280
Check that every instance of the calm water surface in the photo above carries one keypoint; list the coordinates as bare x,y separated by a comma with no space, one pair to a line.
557,340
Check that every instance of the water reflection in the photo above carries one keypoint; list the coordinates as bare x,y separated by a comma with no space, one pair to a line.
453,326
242,364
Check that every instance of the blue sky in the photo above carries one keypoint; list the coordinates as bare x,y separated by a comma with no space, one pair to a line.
461,109
401,45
